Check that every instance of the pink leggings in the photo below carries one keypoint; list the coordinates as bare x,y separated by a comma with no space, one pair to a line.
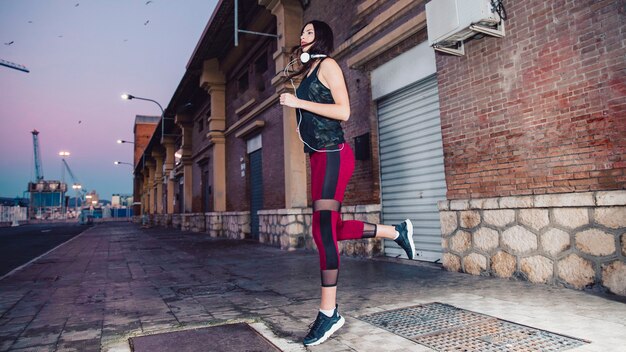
330,173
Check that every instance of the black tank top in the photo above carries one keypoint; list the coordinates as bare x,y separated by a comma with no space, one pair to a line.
317,131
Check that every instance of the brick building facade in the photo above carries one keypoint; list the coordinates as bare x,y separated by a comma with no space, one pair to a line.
534,134
509,159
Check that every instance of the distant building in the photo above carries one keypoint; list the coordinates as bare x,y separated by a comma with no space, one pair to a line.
121,200
47,199
115,200
92,199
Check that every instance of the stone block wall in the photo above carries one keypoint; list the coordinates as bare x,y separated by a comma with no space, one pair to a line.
233,225
290,229
213,224
574,239
230,224
163,220
194,222
177,220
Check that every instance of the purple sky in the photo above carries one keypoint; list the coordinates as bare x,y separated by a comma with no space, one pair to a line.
82,55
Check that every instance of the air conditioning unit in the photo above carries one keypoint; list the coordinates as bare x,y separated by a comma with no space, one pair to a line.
451,22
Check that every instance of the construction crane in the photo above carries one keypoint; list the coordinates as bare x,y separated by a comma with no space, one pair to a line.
46,196
38,167
75,180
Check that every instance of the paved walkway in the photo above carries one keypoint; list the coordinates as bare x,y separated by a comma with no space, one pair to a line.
117,281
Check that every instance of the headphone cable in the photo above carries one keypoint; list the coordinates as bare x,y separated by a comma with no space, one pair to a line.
300,114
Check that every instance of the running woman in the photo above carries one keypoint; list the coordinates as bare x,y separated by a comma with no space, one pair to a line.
322,103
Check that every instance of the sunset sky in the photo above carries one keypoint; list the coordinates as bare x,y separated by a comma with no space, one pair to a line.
82,55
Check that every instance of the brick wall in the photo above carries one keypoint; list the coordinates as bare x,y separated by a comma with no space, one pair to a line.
236,186
542,110
273,158
143,133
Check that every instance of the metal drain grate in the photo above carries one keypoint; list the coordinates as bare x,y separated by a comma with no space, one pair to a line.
444,328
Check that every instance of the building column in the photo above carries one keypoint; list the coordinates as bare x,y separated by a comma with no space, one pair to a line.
170,149
188,184
186,125
288,25
147,186
213,81
151,189
158,179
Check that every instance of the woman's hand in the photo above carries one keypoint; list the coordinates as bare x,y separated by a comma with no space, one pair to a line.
289,100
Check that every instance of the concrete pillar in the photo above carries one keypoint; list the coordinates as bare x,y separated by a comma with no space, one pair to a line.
158,156
147,182
186,125
150,164
212,79
288,25
188,185
170,149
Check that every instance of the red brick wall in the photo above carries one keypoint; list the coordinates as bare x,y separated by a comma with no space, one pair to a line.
273,158
542,110
237,198
143,133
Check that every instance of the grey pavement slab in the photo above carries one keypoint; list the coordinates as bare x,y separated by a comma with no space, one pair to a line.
116,281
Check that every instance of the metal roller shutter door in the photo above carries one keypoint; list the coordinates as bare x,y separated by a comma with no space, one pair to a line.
412,169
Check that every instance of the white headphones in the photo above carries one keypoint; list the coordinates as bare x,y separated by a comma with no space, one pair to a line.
305,57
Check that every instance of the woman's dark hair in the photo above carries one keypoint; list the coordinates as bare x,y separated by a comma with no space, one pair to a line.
322,44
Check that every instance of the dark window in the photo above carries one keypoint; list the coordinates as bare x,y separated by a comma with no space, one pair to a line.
242,83
260,67
200,124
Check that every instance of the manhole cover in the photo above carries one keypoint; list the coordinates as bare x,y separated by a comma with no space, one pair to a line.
223,338
444,328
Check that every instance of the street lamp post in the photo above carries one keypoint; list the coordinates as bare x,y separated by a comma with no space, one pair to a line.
121,141
62,154
131,97
133,166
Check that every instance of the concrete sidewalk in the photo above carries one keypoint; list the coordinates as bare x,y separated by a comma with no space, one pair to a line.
117,281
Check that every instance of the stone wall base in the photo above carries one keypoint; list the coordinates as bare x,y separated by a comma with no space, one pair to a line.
290,229
574,239
177,220
228,224
194,222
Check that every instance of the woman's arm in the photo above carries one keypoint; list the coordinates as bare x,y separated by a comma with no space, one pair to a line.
330,74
